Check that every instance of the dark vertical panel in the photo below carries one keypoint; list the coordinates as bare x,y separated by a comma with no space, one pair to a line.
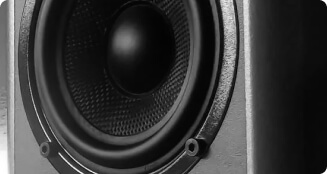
315,17
289,63
277,65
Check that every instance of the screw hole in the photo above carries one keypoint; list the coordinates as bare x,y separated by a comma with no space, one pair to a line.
45,149
191,147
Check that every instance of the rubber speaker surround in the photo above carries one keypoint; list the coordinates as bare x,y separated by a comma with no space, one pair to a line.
80,137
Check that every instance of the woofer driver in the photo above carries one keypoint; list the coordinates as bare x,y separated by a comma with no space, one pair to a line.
126,86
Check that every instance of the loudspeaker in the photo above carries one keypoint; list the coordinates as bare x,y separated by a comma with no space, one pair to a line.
161,86
128,87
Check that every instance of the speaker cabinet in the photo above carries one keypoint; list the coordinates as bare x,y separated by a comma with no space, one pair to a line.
162,86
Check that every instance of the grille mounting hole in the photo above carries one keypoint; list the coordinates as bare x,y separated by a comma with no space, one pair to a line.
45,149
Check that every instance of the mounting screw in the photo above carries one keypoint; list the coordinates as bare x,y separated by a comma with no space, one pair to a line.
45,149
195,147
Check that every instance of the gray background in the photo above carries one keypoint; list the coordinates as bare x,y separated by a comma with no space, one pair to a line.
3,82
3,74
3,45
